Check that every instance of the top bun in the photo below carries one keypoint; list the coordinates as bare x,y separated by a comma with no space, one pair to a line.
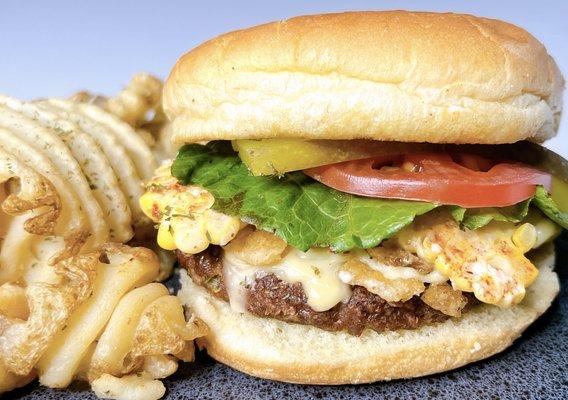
405,76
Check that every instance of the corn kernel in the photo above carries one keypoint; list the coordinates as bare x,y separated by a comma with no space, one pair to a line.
525,237
185,220
220,227
146,202
190,235
164,238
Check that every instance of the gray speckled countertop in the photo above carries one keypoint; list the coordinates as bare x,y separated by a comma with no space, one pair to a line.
535,367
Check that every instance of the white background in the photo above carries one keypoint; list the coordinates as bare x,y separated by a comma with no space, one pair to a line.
53,48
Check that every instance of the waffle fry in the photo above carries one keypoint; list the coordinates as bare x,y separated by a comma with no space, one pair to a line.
76,302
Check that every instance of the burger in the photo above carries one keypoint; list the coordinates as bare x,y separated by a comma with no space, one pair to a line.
362,196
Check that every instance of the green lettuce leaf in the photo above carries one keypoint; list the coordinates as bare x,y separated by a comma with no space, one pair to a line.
306,213
295,207
475,218
549,208
478,218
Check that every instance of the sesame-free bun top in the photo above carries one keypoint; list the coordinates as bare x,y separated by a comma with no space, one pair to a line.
398,75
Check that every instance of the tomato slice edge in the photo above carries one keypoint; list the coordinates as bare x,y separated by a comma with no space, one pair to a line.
436,178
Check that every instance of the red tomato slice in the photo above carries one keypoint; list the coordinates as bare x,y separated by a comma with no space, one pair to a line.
465,180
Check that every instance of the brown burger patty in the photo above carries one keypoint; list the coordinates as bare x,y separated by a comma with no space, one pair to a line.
271,297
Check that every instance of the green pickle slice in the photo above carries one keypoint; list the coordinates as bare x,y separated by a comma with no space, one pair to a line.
277,156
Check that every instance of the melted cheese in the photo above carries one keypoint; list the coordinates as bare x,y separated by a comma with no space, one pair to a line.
317,270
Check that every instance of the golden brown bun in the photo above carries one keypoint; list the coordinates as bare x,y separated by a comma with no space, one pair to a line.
277,350
406,76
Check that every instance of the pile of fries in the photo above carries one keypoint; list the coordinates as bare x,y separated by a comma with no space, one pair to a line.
78,300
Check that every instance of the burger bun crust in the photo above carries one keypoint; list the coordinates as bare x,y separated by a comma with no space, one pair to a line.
393,76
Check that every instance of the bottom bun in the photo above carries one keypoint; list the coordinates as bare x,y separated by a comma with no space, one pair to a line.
287,352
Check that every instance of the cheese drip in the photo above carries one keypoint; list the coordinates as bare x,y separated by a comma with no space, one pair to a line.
315,269
318,272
